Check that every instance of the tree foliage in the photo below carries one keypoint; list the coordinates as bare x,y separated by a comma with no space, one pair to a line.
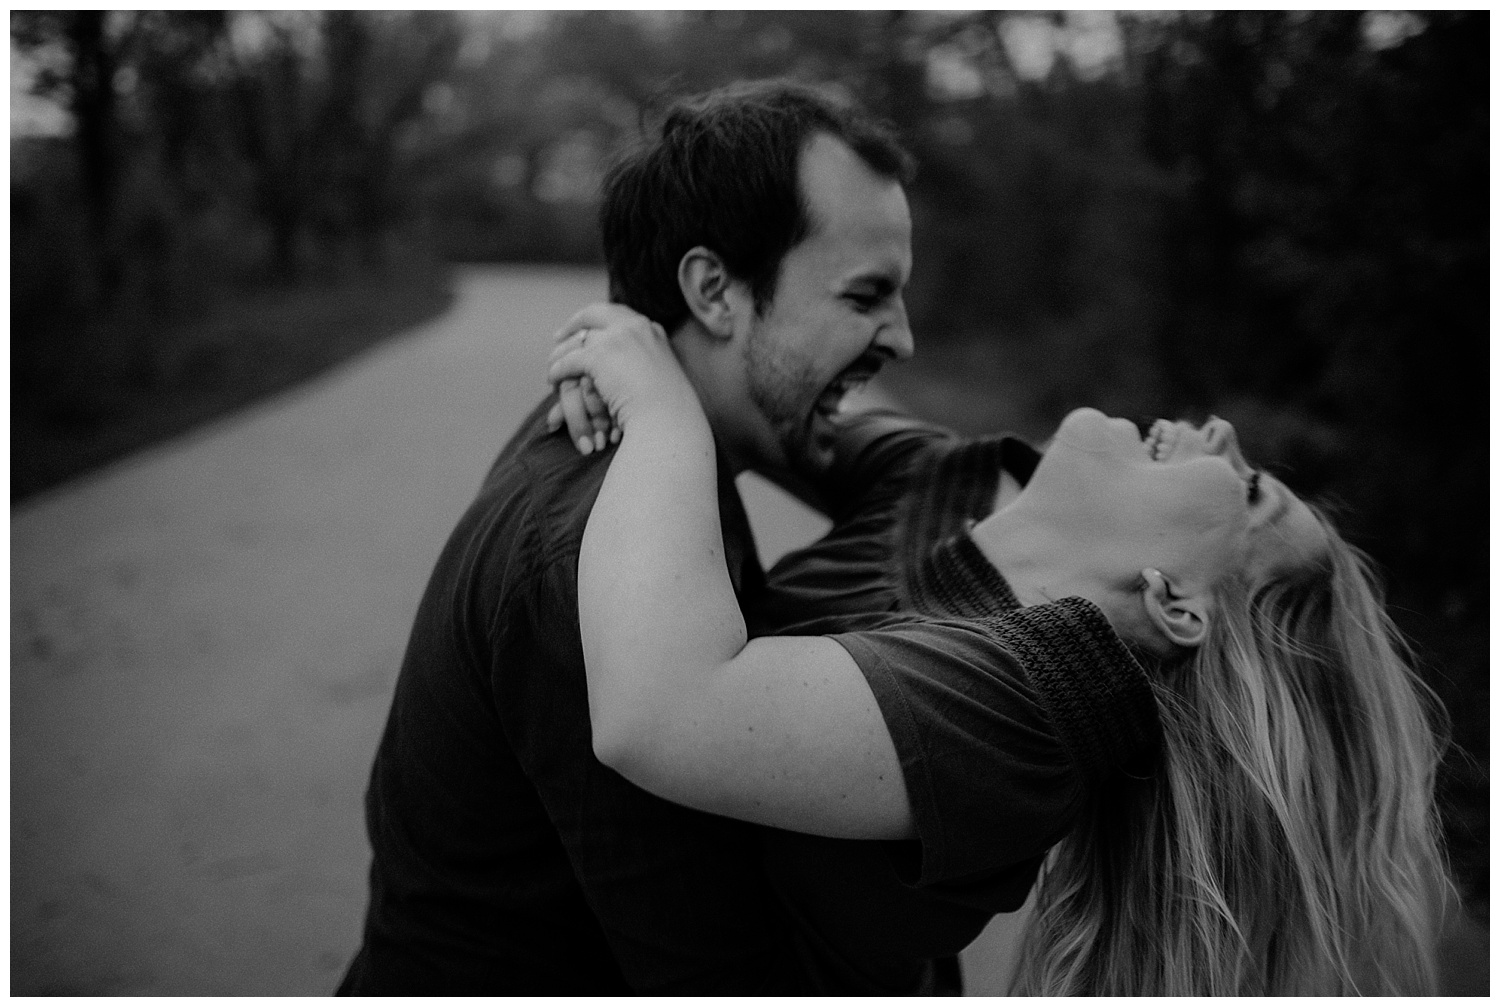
213,149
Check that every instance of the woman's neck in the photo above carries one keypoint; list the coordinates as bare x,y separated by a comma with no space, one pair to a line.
1008,550
1038,564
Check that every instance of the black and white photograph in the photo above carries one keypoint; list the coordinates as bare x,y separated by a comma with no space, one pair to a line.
749,503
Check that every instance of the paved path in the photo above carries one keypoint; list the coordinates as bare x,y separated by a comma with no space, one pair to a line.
203,642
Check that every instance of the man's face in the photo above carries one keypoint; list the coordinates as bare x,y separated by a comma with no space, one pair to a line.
837,315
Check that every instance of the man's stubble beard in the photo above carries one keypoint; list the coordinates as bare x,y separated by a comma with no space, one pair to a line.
784,391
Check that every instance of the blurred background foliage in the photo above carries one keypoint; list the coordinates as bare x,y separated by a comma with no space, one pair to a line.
1277,217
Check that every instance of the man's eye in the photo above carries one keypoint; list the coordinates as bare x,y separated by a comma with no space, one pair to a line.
863,302
1252,488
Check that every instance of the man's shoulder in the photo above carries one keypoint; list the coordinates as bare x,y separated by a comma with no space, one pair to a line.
539,480
540,492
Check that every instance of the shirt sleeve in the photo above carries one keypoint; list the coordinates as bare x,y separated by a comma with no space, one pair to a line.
997,767
871,447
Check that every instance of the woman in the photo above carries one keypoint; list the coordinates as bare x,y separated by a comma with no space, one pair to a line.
1282,844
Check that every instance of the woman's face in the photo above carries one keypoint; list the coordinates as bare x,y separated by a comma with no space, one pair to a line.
1182,500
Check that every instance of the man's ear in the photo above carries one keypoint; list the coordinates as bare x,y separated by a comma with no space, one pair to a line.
709,291
1181,618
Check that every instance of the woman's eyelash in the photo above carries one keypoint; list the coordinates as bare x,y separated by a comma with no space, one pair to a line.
1252,492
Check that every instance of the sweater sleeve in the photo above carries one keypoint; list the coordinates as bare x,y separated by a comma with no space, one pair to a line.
1002,725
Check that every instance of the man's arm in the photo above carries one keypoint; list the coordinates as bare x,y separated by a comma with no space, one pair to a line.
870,446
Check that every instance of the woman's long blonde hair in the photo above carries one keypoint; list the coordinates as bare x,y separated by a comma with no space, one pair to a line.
1286,843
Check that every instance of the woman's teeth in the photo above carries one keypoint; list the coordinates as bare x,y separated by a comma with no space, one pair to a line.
1161,440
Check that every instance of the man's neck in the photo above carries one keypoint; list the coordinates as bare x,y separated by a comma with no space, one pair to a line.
704,360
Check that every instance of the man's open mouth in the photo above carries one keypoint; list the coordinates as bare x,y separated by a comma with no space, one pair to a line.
831,402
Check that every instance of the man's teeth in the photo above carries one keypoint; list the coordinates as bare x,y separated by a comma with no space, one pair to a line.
832,401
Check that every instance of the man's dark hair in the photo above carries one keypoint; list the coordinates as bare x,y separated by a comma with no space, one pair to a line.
722,173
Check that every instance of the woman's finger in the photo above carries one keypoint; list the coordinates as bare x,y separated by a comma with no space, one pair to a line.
581,319
600,315
598,412
576,341
580,406
575,415
569,366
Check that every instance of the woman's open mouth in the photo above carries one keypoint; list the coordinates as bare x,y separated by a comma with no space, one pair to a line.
1161,439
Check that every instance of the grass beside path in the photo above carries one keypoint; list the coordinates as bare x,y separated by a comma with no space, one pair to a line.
84,398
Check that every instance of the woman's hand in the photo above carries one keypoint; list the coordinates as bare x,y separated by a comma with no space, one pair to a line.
582,411
609,363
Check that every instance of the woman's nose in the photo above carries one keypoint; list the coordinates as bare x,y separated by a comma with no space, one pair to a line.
1220,438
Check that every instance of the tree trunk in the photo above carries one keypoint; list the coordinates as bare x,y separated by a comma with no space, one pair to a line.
93,103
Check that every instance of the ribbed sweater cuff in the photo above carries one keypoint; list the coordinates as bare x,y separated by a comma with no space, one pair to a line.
1096,693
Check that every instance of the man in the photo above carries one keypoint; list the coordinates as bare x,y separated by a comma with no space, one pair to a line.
767,229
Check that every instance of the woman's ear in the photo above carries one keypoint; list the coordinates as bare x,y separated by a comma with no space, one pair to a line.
1182,619
707,287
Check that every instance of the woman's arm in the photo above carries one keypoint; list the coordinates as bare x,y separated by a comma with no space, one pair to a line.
780,731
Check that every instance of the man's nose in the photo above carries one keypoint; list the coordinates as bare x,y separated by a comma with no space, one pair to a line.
895,335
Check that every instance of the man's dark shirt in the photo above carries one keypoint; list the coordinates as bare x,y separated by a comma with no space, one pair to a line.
1004,718
507,858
